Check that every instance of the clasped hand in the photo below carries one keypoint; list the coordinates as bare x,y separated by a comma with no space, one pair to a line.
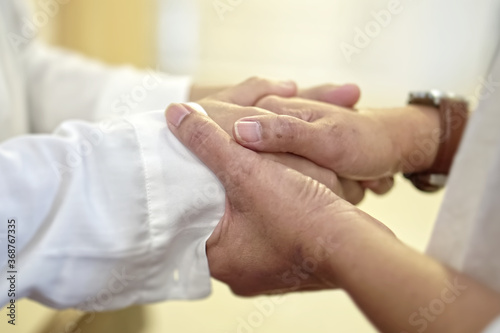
287,230
263,100
271,237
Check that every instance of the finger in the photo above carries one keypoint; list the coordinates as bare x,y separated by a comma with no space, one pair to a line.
304,109
347,95
311,169
346,142
206,140
380,186
284,134
350,190
353,191
254,89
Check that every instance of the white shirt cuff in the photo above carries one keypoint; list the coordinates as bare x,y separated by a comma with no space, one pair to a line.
186,201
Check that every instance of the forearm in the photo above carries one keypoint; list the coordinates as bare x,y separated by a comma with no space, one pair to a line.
402,290
415,131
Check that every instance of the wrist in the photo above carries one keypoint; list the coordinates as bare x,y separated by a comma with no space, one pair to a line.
364,243
339,245
414,131
422,141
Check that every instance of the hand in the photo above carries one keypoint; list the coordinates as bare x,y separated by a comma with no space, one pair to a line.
364,145
226,106
222,104
272,225
283,231
346,95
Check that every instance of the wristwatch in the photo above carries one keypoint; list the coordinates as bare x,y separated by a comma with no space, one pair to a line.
453,115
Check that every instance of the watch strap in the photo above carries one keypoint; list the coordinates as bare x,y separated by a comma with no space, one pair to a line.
453,114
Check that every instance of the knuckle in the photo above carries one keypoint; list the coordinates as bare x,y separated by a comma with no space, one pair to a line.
199,134
288,128
270,102
248,170
251,110
345,138
258,81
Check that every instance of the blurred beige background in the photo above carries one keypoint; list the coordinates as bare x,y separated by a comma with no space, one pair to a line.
428,44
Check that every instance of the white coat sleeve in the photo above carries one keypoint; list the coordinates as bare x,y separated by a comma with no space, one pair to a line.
493,327
106,215
61,85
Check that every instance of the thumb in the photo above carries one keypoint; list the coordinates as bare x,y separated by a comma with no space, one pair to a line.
202,136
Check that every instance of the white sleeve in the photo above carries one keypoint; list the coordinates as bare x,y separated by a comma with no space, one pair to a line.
106,216
62,85
493,327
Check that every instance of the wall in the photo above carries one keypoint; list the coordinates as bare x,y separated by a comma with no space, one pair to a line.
110,30
422,44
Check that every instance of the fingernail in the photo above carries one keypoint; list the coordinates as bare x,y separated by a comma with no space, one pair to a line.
248,131
176,114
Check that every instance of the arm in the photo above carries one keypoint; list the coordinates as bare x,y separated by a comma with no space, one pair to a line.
282,231
62,85
107,216
401,290
118,209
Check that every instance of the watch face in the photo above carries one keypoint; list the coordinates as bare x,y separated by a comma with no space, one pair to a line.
432,97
